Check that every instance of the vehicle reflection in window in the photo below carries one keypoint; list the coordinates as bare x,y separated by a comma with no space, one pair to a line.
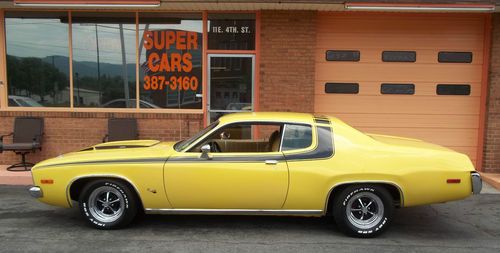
118,103
37,59
23,101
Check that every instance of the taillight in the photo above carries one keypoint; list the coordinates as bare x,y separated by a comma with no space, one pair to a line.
453,180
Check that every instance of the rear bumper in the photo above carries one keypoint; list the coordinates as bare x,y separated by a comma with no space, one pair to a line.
35,192
477,183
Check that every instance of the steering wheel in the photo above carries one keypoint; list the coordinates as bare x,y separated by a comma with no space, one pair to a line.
214,147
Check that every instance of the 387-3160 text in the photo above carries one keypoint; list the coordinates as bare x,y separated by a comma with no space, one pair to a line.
174,82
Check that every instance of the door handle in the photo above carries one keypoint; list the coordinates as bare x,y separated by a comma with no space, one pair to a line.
271,162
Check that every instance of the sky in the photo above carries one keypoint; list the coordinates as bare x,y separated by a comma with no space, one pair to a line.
47,37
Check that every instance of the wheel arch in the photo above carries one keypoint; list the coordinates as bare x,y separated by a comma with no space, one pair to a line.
394,189
76,185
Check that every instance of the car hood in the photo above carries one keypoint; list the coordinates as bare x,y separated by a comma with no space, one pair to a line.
139,150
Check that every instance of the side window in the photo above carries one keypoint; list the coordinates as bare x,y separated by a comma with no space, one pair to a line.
245,137
296,137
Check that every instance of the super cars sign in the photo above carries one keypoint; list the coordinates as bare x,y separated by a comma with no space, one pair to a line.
173,59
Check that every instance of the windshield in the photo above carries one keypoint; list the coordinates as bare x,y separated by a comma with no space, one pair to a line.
179,146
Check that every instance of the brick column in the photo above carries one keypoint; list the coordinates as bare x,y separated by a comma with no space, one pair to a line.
492,142
288,40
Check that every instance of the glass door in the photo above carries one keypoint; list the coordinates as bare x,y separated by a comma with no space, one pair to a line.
230,84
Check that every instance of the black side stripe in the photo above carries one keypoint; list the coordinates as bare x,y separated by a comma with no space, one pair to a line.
324,150
148,160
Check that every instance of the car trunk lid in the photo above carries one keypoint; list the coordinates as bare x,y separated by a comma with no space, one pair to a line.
406,142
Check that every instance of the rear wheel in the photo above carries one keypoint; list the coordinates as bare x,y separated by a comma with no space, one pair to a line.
108,204
363,210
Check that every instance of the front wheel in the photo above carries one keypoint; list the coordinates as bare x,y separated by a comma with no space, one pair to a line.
363,210
108,204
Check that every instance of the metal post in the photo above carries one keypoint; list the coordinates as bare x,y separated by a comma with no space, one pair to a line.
124,64
98,65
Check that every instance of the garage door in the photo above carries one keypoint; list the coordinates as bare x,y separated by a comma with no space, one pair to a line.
412,75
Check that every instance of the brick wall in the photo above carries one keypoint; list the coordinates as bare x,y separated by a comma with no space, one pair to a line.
491,161
66,131
288,40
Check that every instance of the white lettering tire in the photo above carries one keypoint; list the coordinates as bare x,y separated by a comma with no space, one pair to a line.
363,210
108,204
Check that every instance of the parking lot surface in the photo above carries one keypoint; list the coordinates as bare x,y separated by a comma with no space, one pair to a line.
470,225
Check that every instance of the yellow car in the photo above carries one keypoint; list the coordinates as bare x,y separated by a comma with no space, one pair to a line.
259,164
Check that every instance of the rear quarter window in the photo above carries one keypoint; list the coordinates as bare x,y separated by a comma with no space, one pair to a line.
296,137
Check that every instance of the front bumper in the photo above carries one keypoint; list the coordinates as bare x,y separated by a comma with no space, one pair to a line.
477,182
35,192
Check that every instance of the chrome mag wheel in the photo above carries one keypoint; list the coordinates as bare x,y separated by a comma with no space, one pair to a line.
106,204
364,210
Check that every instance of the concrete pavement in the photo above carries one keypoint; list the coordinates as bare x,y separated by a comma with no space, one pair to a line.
471,225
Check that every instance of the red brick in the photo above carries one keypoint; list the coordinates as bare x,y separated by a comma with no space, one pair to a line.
491,156
288,40
66,131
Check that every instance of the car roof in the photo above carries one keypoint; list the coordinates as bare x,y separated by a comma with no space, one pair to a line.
16,97
267,116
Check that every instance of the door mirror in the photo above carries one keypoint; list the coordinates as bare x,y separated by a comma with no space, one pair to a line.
205,150
225,136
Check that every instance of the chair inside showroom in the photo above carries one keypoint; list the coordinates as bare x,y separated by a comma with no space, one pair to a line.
121,130
26,138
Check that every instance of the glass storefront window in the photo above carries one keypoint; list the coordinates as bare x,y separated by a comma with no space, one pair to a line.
170,58
109,47
231,31
104,60
231,79
37,59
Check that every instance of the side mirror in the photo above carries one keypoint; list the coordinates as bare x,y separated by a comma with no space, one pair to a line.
225,136
205,150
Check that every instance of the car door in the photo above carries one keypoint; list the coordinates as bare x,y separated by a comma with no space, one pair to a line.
227,180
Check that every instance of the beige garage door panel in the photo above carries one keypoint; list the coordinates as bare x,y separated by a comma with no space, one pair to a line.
347,103
446,137
398,42
373,88
452,23
411,120
398,72
449,120
424,56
